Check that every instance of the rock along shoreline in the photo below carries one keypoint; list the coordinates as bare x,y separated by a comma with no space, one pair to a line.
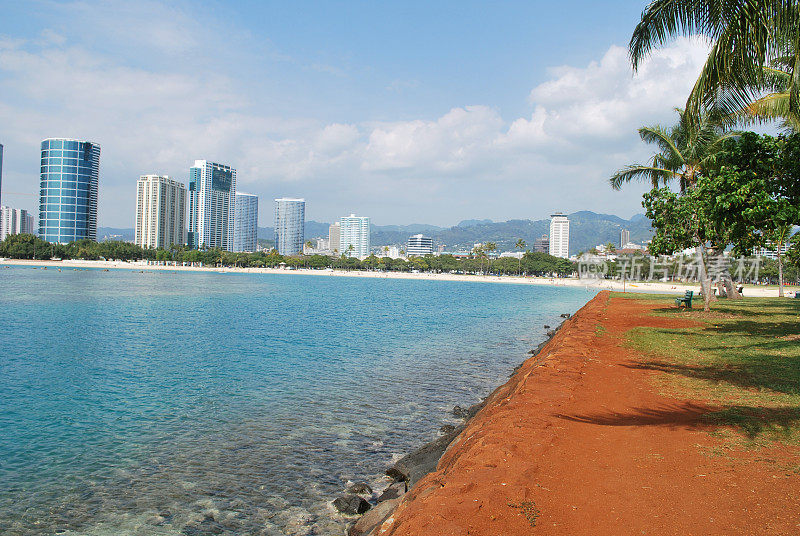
417,464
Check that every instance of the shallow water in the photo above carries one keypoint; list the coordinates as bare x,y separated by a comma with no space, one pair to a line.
206,403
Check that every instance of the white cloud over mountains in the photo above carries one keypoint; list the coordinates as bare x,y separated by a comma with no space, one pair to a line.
468,162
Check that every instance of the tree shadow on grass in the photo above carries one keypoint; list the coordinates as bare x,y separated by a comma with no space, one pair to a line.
754,422
774,373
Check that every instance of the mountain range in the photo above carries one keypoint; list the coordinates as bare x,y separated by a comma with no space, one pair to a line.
587,229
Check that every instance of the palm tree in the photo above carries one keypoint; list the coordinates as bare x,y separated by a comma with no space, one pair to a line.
490,247
685,151
520,245
746,37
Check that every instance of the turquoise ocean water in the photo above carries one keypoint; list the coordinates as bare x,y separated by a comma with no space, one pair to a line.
206,403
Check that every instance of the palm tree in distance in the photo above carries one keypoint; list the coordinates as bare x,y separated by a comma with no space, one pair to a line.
490,247
520,245
749,40
685,151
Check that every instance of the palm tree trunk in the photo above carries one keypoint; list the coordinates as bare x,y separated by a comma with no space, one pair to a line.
705,281
780,272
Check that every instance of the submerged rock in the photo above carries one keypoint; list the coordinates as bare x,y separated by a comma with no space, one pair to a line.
459,412
351,505
546,326
447,428
360,488
551,333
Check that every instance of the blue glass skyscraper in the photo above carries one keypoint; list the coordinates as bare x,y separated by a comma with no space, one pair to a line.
70,172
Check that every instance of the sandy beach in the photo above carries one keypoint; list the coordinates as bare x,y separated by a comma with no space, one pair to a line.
594,284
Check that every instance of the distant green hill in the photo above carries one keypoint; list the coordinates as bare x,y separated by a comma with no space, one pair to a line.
586,230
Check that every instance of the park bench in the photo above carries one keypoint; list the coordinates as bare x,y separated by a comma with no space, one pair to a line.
687,299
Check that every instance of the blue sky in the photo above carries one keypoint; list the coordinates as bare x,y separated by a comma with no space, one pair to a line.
403,111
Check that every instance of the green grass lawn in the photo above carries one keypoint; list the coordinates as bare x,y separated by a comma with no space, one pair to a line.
744,358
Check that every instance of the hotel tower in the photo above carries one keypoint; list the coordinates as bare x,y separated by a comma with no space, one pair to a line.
160,212
559,235
212,197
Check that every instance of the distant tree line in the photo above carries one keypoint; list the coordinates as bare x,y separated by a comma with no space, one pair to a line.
32,247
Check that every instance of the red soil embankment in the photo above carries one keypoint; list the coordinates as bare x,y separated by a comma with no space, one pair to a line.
580,442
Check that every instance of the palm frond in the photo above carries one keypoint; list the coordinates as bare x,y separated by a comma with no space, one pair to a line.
655,175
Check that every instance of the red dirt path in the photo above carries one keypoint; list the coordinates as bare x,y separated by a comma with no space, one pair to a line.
591,443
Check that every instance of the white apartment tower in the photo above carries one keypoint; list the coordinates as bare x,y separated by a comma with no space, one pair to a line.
354,241
245,226
290,222
559,235
624,237
160,212
212,198
15,221
334,238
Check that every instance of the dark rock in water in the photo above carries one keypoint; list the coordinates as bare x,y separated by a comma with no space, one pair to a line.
459,412
551,333
565,315
398,489
422,461
351,505
360,488
165,513
411,467
532,351
374,518
546,326
395,474
447,428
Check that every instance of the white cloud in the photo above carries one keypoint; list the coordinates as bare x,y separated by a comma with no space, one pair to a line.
469,162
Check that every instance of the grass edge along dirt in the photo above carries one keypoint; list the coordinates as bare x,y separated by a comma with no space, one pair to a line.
743,358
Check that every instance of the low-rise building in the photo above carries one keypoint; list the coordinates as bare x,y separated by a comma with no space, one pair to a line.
419,245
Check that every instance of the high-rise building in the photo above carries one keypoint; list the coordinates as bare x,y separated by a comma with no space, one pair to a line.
15,221
419,245
70,173
212,192
290,222
542,244
354,241
559,235
245,222
624,237
160,212
334,238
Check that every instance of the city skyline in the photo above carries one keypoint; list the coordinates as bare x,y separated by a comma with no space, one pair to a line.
489,137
